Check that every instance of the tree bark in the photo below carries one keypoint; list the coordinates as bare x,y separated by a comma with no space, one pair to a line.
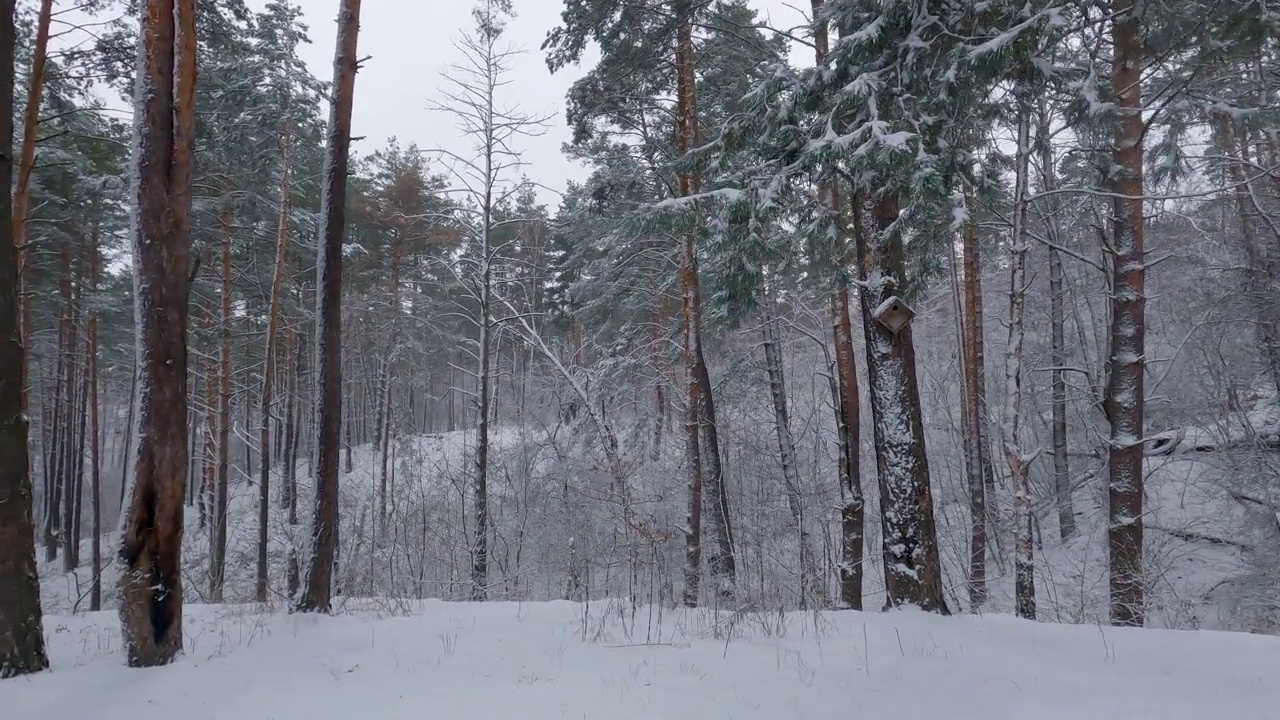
912,569
95,459
720,561
218,511
812,590
151,531
22,649
1123,400
847,410
384,385
66,409
26,164
1057,337
480,489
317,581
976,449
268,376
1019,463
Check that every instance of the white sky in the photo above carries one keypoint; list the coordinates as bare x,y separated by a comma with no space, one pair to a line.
409,42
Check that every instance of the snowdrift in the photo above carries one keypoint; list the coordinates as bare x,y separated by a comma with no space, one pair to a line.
608,660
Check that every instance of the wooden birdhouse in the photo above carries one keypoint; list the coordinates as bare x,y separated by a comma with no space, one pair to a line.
894,314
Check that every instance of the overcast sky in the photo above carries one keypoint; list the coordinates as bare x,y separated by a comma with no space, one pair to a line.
409,42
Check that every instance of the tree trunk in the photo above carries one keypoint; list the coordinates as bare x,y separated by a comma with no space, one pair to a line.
720,560
26,164
128,432
384,386
22,648
209,456
978,463
293,426
1057,337
317,581
693,461
268,375
66,439
1123,401
480,489
912,570
218,511
75,486
1024,559
95,459
847,410
151,533
812,591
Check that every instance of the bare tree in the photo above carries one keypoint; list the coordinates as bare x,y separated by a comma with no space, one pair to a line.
1057,331
151,528
472,95
21,622
317,582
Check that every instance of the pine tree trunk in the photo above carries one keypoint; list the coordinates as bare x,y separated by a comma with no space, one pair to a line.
1057,338
1024,561
95,459
912,569
720,559
847,410
1123,401
976,450
22,649
317,581
26,164
151,534
268,374
693,461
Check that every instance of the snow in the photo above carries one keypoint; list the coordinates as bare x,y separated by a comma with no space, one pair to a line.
610,660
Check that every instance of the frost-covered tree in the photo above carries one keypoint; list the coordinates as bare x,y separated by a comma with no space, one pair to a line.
21,627
164,143
316,591
473,94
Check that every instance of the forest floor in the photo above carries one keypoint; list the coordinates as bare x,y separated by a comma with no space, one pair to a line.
539,661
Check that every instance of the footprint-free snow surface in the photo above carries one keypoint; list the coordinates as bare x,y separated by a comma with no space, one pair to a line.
439,661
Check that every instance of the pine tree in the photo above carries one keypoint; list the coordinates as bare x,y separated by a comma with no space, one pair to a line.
317,582
21,623
151,530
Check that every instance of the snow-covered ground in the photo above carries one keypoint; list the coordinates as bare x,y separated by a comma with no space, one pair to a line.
562,660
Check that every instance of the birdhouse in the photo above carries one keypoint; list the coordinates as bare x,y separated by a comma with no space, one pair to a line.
894,314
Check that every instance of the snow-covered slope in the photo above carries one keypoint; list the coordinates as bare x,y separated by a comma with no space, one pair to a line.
562,660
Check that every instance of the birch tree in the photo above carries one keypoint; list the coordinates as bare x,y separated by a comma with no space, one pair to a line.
1018,460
